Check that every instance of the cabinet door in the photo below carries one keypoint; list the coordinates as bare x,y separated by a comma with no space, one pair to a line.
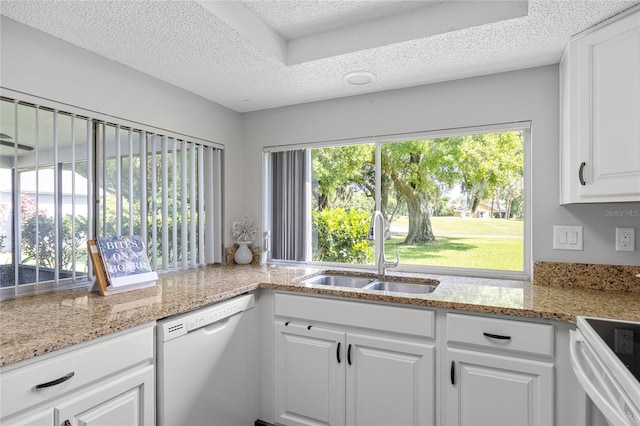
389,382
492,390
125,400
609,68
43,417
309,375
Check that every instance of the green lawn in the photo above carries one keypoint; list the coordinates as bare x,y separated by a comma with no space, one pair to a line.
466,243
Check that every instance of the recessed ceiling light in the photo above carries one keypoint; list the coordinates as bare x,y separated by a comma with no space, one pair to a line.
359,78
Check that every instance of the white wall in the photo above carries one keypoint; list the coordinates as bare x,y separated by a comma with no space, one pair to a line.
530,94
40,65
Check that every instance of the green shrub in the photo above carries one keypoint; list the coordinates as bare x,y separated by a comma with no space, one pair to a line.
341,236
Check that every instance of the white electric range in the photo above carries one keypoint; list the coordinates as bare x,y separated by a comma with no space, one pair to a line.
605,356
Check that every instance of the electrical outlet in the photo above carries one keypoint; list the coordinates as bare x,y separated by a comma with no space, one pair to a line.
625,239
623,341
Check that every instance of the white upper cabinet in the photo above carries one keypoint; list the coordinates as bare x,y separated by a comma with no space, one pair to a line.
600,113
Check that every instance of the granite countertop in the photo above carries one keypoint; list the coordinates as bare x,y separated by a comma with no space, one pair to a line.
36,325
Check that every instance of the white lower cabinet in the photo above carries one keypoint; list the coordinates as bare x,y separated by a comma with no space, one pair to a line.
389,381
309,375
339,362
334,374
494,390
110,381
329,377
44,416
122,401
496,374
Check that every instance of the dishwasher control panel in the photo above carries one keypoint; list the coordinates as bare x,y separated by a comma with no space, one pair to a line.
180,325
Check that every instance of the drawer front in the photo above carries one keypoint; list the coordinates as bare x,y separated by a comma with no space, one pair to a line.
88,364
501,334
414,321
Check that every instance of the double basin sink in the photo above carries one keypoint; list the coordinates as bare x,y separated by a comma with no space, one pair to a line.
372,283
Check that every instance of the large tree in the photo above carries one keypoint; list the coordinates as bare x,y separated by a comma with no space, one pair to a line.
490,165
418,170
336,169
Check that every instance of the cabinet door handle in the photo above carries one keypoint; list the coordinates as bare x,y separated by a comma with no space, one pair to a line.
66,423
349,354
581,173
56,381
338,352
497,336
453,372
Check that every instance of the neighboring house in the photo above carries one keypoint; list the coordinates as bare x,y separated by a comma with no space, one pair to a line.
43,187
484,211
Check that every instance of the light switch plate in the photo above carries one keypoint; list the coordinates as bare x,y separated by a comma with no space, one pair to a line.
567,237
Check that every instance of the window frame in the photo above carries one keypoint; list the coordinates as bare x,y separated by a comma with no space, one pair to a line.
378,140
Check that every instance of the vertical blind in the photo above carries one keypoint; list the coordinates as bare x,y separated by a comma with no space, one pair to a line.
289,217
66,178
45,198
175,182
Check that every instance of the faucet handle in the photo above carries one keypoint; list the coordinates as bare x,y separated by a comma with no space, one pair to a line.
389,264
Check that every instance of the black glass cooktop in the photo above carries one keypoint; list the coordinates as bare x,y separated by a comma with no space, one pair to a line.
623,339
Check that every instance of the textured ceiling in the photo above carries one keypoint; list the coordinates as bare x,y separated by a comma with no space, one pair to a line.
293,19
253,55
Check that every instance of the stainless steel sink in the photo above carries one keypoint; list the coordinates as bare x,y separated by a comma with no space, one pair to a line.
339,280
370,283
401,287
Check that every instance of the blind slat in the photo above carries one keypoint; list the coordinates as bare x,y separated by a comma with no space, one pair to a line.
184,244
174,202
143,185
154,209
131,195
118,183
193,248
165,203
201,205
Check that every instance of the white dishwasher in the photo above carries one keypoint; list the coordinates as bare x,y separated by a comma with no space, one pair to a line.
206,366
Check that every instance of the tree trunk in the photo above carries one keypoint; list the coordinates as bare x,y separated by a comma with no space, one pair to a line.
474,205
493,201
323,202
420,229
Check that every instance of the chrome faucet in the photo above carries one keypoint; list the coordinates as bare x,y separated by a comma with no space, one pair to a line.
376,234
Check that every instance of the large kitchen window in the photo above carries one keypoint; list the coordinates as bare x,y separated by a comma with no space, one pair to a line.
452,202
67,177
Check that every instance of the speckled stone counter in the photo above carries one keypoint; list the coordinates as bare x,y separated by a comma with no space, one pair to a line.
32,326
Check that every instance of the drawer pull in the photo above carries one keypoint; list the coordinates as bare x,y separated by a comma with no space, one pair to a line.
56,381
497,336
